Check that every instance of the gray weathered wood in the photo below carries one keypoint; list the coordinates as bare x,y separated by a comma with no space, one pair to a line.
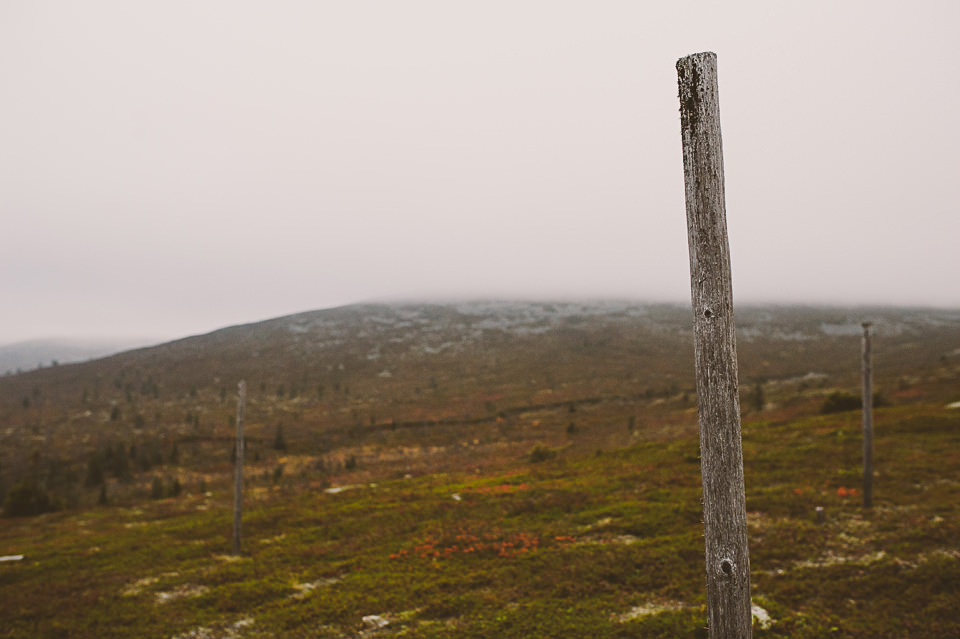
721,451
238,469
867,419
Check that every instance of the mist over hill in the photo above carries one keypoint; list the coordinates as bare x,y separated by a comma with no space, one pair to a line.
37,353
378,350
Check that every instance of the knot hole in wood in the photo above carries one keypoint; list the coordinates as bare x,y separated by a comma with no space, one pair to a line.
726,567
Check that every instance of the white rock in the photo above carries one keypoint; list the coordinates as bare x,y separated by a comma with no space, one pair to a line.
375,622
761,615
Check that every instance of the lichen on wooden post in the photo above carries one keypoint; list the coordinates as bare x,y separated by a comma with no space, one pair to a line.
721,450
238,469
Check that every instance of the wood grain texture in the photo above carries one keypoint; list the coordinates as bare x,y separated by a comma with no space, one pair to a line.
721,451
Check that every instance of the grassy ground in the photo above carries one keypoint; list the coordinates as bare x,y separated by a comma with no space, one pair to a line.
581,544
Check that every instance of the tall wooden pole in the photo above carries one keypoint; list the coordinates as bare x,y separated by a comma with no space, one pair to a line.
721,450
238,469
867,419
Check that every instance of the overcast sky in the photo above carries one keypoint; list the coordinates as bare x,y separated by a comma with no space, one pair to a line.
169,168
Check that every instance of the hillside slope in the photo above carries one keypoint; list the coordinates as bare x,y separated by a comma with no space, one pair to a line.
333,383
356,343
478,470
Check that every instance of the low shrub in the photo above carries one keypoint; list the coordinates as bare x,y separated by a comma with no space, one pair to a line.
842,401
541,453
27,499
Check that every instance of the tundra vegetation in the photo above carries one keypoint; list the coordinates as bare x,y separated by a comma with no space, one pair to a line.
417,475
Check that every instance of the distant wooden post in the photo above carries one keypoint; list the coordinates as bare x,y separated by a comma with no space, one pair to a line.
238,469
721,450
867,419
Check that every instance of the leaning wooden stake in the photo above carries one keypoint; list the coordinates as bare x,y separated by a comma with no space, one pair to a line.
721,451
867,420
238,469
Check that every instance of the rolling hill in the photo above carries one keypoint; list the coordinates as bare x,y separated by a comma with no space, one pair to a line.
478,469
421,374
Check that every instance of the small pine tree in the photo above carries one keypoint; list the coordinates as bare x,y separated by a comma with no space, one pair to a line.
841,401
279,443
541,453
758,399
156,490
28,498
116,462
95,474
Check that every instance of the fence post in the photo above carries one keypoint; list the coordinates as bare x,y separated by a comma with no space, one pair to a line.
867,419
238,469
721,451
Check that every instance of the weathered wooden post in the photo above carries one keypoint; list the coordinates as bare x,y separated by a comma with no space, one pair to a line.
867,419
721,450
238,469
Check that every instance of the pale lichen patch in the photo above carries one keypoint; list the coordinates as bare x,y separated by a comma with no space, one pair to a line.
650,608
186,590
219,631
761,616
306,588
832,559
229,558
137,587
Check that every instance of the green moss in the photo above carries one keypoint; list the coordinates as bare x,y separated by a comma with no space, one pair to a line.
563,548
